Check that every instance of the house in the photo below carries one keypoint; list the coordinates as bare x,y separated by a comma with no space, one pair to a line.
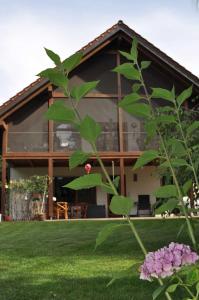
33,145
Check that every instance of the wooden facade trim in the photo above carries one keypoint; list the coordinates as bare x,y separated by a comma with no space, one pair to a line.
3,185
50,188
54,155
50,122
59,94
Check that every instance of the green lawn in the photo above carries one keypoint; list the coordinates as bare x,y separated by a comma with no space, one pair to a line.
56,260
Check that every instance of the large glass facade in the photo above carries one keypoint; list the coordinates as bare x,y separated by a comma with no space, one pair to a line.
104,111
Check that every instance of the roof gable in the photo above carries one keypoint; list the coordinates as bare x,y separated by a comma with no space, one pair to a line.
93,47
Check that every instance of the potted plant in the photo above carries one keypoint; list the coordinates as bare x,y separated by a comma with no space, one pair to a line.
38,186
7,216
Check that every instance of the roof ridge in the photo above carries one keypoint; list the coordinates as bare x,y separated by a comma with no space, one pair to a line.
120,25
159,50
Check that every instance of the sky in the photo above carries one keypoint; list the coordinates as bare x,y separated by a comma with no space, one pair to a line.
26,27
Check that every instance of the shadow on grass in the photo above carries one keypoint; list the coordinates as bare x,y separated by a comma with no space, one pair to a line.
61,288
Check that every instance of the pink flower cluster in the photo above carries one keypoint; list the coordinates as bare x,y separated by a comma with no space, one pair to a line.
165,261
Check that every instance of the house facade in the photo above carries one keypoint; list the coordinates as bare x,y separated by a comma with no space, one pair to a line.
33,145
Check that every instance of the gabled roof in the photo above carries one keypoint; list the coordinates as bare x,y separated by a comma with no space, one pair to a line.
108,34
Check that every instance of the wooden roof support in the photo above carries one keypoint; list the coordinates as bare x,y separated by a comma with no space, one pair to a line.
50,188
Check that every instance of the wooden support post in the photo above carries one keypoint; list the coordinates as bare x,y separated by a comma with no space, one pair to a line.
50,123
3,187
120,113
50,188
122,178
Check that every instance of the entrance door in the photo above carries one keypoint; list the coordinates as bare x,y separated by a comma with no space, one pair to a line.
144,205
71,196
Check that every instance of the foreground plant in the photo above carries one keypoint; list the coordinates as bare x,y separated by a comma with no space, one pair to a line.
167,262
90,130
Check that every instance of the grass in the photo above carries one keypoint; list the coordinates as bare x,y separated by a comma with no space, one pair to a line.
56,260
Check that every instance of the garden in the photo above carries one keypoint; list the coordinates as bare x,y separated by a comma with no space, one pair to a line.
155,259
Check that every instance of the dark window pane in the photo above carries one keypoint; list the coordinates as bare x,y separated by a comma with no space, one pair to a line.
28,129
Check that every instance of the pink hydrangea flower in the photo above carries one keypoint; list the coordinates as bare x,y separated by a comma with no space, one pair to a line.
165,261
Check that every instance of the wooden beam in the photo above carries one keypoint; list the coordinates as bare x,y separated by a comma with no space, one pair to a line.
3,186
120,112
60,94
122,177
5,141
3,124
50,188
66,155
50,123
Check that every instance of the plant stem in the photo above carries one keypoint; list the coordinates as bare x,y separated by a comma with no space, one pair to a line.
132,226
186,145
191,232
186,287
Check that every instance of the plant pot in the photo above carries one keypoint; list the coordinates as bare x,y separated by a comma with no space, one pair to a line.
7,218
36,196
40,217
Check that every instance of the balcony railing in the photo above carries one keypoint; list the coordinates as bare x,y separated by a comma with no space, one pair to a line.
66,141
27,142
137,141
69,141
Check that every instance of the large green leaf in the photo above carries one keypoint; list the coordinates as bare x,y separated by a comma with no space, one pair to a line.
127,55
59,112
177,147
85,182
192,276
145,158
165,119
136,87
186,186
121,205
159,291
172,288
79,92
150,127
106,232
134,50
107,187
184,96
129,99
77,158
192,127
176,163
89,129
71,62
139,109
166,191
55,76
116,181
128,70
145,64
197,287
168,206
53,56
162,94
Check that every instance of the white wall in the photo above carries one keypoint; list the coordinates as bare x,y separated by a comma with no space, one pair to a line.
147,182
